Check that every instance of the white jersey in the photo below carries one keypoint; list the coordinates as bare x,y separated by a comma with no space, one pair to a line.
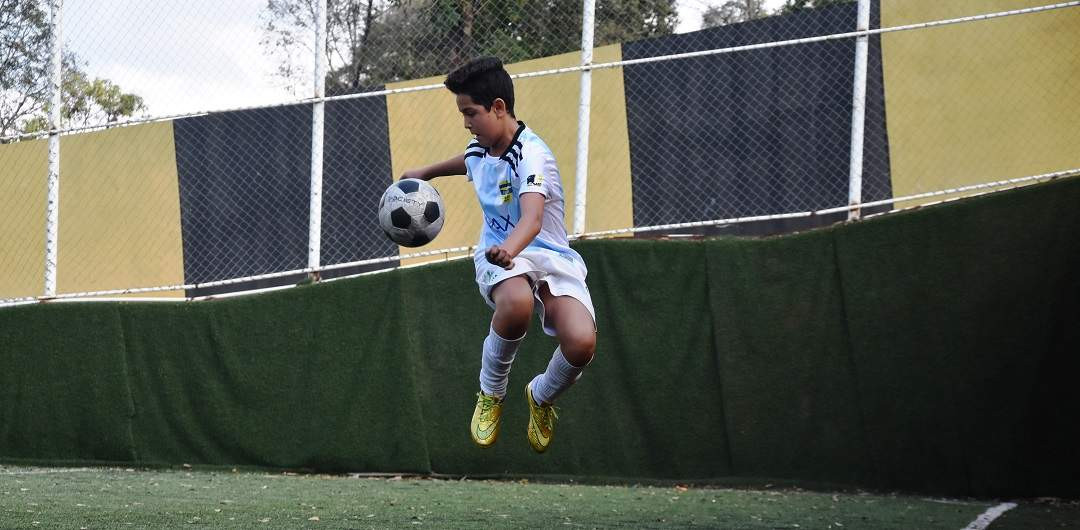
528,166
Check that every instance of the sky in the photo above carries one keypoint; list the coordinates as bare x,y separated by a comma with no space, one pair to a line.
198,55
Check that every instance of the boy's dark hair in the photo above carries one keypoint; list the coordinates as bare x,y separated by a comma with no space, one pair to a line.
483,79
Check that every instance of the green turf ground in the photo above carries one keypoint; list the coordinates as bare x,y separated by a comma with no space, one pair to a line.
119,498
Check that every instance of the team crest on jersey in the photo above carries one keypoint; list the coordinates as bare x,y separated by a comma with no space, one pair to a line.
534,180
505,191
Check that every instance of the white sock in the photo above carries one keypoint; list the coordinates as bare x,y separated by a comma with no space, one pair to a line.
495,365
559,376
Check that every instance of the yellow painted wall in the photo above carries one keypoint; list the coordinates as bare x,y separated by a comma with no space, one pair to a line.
119,213
24,168
426,127
980,101
120,210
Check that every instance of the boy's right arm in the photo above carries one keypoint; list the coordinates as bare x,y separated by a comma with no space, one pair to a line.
452,166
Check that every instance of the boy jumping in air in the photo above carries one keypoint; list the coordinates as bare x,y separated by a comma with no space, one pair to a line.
523,261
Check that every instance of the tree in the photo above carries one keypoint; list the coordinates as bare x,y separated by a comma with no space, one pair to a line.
794,6
86,101
733,11
626,21
24,77
371,42
24,52
289,32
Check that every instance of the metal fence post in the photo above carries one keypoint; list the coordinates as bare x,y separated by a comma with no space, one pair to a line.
52,211
581,182
317,121
858,112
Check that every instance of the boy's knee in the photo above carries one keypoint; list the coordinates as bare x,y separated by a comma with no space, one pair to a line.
513,308
517,305
579,348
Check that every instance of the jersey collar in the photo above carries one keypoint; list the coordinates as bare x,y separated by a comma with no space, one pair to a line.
510,155
513,141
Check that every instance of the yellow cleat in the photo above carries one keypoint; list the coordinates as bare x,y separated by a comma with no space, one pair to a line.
541,422
485,419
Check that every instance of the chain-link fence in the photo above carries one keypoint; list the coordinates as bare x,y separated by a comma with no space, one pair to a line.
977,101
186,131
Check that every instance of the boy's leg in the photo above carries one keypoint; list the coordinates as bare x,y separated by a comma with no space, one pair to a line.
513,299
513,309
576,333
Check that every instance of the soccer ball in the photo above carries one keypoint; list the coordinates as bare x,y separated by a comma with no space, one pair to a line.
411,212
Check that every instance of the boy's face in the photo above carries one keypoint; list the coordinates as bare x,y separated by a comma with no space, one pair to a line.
481,122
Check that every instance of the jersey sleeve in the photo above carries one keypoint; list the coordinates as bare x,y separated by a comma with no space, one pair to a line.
473,153
537,171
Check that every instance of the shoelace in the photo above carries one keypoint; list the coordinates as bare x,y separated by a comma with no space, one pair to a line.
547,411
487,406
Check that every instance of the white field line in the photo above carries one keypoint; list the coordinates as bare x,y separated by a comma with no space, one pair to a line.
957,502
984,519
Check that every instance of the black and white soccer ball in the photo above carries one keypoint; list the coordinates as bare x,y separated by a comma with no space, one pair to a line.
411,212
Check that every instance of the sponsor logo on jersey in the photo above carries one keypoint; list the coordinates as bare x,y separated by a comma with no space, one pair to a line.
535,180
506,191
502,223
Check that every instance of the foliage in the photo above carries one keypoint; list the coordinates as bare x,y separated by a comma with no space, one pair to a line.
794,6
733,11
86,101
24,78
24,53
371,42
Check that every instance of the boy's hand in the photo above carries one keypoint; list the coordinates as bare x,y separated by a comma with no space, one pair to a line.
497,255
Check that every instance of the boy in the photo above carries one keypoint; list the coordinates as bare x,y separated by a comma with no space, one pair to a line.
523,260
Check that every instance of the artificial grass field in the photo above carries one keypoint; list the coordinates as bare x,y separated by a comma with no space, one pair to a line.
130,498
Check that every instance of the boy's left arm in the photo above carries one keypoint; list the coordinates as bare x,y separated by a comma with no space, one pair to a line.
532,208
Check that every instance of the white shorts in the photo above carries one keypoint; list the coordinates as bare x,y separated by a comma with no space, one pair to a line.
563,275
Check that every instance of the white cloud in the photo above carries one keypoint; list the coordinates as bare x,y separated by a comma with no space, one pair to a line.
179,56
